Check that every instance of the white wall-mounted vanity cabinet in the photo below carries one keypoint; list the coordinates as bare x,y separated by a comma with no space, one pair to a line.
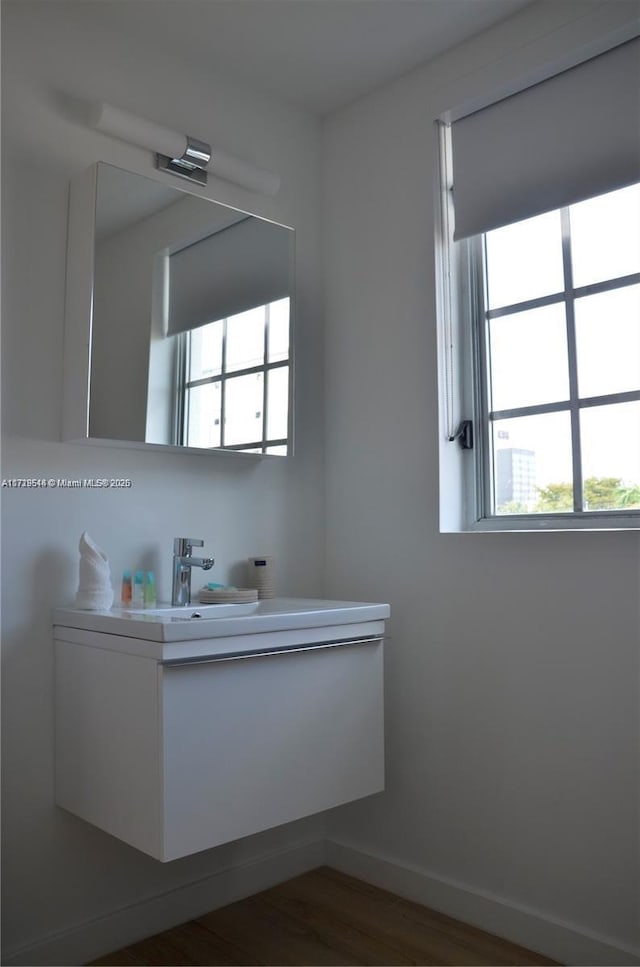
176,743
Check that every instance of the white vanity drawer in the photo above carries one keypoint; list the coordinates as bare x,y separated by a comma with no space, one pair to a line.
179,757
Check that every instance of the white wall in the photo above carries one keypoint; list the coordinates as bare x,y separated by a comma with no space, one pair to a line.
512,669
58,871
512,666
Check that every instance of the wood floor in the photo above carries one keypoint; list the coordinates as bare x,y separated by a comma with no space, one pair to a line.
323,917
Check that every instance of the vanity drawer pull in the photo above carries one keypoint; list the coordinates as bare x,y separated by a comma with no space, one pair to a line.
293,649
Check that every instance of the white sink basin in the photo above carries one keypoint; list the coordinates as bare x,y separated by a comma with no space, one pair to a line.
180,625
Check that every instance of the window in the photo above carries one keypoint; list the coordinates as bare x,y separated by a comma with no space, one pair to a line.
558,359
235,388
539,305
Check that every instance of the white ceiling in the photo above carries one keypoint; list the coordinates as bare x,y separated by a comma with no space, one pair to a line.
318,54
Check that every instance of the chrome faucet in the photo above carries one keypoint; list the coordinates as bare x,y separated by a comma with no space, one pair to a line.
182,564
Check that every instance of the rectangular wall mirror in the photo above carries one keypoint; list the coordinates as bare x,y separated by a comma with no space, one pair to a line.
179,319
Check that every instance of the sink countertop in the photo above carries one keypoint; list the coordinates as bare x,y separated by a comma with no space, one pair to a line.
270,615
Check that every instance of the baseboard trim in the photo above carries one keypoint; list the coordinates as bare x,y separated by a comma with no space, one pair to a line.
90,940
563,942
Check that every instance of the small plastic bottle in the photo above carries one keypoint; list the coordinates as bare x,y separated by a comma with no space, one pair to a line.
138,590
126,593
150,590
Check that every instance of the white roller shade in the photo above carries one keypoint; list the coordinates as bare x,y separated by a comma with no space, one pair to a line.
239,268
568,138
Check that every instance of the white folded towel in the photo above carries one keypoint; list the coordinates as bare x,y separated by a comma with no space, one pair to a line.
94,586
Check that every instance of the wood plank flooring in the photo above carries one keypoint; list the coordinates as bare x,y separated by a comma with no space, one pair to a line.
323,917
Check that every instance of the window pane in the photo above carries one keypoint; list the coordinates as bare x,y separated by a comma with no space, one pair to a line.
532,464
280,451
205,351
278,398
278,330
611,456
245,340
528,352
608,342
243,409
524,261
202,416
605,236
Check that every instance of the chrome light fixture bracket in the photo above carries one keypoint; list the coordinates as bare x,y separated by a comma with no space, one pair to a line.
191,165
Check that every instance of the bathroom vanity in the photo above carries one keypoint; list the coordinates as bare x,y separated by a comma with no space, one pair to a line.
181,729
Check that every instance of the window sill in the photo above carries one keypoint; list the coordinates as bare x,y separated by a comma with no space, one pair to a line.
595,521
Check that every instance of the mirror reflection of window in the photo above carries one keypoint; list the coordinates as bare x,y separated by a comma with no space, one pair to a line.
279,331
205,351
202,413
244,404
245,339
277,395
235,390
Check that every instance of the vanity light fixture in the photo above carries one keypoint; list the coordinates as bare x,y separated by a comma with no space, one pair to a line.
181,154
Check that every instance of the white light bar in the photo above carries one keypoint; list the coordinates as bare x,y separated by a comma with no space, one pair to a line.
180,154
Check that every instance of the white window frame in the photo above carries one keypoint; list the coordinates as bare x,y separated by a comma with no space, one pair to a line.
465,478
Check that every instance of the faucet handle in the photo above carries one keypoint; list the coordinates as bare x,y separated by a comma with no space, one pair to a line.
182,546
